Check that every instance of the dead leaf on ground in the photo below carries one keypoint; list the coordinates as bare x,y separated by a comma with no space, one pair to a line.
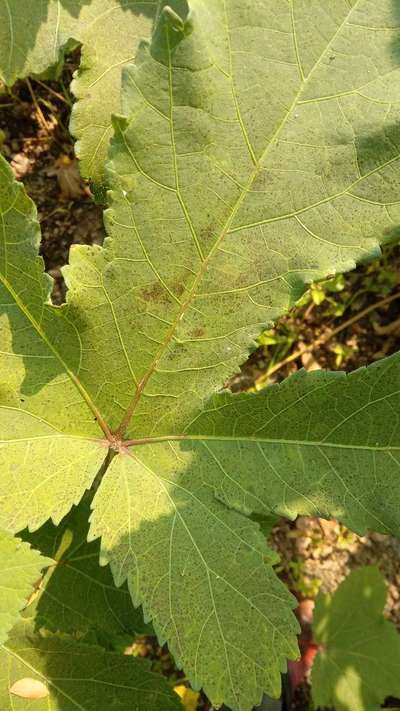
68,177
329,528
21,165
309,361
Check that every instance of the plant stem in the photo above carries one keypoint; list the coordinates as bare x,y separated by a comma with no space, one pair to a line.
38,110
51,91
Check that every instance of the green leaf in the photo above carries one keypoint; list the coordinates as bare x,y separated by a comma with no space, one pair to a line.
48,451
77,595
248,162
109,36
226,201
318,444
359,659
79,676
33,40
202,573
266,523
20,568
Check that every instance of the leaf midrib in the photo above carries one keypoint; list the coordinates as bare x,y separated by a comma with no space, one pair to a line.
323,444
121,430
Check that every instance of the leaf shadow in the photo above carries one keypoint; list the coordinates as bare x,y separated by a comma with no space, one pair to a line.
41,366
396,40
382,148
378,152
197,567
73,7
148,8
78,596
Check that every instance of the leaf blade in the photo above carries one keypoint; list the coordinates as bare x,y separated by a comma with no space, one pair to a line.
40,384
77,595
203,574
318,444
314,172
361,650
79,676
201,185
33,42
19,571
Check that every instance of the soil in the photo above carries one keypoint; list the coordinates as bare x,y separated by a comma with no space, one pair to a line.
373,288
315,554
36,141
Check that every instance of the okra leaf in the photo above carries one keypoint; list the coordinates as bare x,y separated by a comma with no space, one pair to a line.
247,162
77,595
202,573
33,37
20,569
110,34
358,662
72,675
318,444
50,452
234,184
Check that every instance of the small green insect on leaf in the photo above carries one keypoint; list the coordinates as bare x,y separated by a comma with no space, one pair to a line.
358,664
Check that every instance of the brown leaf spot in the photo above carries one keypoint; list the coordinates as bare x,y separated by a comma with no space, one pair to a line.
198,332
158,294
178,288
155,293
